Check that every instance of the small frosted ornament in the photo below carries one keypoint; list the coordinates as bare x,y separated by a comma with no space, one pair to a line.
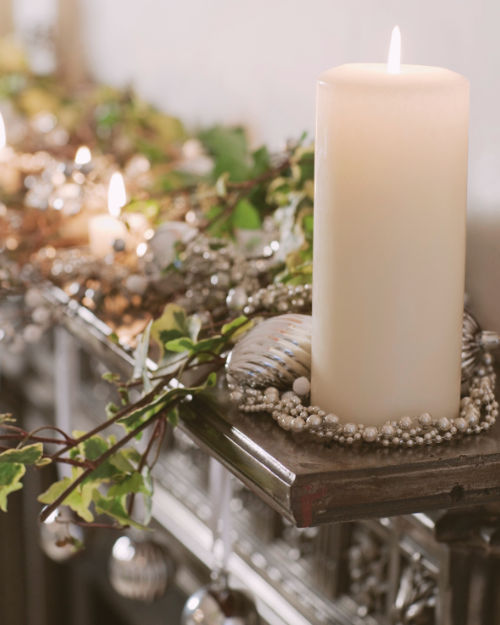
60,538
139,568
219,604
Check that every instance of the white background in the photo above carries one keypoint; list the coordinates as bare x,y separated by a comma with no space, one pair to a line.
254,62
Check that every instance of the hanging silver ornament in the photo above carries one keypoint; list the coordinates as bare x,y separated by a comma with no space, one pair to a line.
273,353
60,538
474,343
140,568
218,604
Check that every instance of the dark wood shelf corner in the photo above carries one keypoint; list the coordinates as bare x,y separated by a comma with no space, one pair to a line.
312,483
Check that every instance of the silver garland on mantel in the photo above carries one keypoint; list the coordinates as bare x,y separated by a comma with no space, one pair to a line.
277,354
211,267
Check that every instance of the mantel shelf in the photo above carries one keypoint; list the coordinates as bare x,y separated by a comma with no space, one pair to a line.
312,483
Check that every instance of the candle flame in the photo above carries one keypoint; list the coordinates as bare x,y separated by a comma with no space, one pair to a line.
3,138
117,196
394,62
83,156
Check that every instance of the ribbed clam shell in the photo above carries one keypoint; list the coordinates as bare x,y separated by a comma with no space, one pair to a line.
474,343
278,350
274,353
471,351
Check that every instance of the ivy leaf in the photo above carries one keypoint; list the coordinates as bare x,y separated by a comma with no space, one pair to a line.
211,380
94,447
173,417
160,402
235,328
308,223
180,345
129,484
10,481
110,377
115,508
151,409
30,454
78,500
111,409
220,185
113,337
147,493
173,324
229,147
246,216
121,462
43,462
261,161
131,454
185,345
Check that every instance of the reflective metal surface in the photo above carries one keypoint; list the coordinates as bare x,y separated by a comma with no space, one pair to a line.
218,604
139,568
60,538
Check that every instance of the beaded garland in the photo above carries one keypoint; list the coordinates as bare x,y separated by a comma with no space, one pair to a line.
290,409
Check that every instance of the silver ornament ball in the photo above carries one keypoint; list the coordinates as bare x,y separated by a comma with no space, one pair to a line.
59,536
140,569
218,604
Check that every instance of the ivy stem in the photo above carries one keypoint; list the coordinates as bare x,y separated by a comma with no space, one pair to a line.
75,463
142,462
122,413
36,439
46,512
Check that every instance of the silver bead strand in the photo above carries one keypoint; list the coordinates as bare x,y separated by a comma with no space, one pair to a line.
478,412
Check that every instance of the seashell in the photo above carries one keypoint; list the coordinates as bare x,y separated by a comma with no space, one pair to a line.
278,350
474,343
273,353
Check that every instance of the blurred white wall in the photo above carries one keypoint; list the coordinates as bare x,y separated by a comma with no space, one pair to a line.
255,62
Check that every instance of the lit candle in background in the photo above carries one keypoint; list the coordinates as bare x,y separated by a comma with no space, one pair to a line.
10,177
83,156
6,152
117,195
104,230
136,223
389,240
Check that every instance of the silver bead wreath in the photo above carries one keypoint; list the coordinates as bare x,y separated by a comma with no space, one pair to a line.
290,409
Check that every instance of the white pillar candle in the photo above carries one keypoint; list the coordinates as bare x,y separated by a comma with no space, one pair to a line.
389,241
103,232
105,229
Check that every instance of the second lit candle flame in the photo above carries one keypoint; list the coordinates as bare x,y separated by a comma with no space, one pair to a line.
3,138
117,196
83,156
394,62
